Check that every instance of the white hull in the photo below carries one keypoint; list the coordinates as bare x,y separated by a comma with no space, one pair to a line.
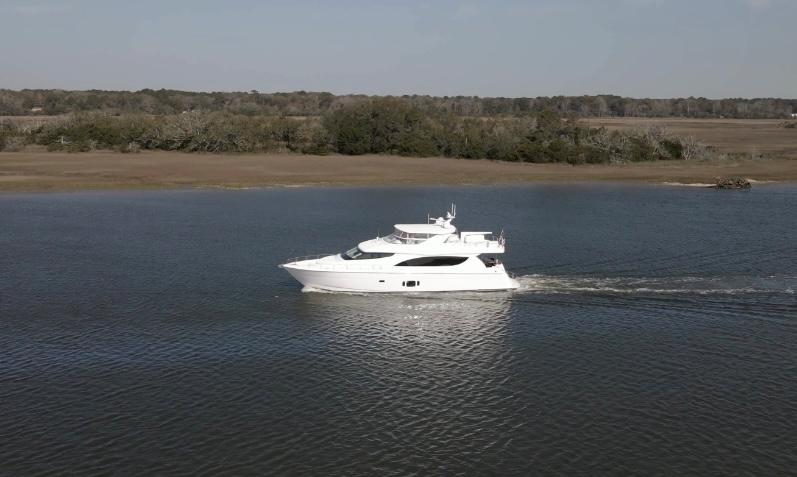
393,282
429,257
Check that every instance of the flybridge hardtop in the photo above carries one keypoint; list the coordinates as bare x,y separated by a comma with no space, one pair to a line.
415,257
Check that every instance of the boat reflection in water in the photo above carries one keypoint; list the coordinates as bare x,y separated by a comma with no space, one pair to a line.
458,321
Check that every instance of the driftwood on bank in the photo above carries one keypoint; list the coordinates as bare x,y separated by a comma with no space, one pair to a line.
732,183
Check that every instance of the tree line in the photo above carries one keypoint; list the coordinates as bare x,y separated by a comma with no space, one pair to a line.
375,126
302,103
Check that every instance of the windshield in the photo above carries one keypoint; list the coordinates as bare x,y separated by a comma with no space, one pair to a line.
404,237
392,239
357,254
352,254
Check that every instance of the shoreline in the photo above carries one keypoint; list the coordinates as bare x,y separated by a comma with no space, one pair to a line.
35,171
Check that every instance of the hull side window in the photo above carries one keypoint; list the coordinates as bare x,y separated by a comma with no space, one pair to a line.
432,262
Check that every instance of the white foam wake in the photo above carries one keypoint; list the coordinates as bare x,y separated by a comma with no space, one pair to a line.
663,285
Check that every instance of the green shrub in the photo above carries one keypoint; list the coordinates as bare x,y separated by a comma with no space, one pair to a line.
131,147
12,143
371,126
78,146
531,151
640,150
674,148
593,155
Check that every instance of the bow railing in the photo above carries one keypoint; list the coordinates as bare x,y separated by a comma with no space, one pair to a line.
308,257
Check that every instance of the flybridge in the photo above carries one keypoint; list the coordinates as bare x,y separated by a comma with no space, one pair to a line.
440,230
428,229
445,222
417,233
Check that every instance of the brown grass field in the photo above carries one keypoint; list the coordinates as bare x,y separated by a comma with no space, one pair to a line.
37,170
49,171
748,136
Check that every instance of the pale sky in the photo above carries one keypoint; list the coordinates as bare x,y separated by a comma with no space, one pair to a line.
639,48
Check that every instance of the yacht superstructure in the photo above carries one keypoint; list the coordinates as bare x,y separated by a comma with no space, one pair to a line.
415,257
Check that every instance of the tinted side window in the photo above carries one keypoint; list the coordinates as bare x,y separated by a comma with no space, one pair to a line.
368,256
432,262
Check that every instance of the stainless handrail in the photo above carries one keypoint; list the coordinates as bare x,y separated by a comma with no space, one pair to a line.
309,257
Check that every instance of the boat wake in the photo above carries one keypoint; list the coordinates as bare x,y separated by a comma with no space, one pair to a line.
309,289
657,285
568,284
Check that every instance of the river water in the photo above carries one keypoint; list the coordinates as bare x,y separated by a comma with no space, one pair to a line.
152,333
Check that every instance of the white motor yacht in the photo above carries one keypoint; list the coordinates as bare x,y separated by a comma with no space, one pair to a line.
415,257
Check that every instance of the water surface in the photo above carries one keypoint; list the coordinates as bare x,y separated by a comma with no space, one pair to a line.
151,332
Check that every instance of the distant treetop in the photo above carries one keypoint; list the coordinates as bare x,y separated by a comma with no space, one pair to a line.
304,103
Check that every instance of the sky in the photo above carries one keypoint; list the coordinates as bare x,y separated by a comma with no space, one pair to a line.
637,48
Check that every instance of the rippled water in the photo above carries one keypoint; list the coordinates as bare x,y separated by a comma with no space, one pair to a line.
655,332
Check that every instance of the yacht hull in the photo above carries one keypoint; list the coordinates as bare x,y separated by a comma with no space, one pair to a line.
390,281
